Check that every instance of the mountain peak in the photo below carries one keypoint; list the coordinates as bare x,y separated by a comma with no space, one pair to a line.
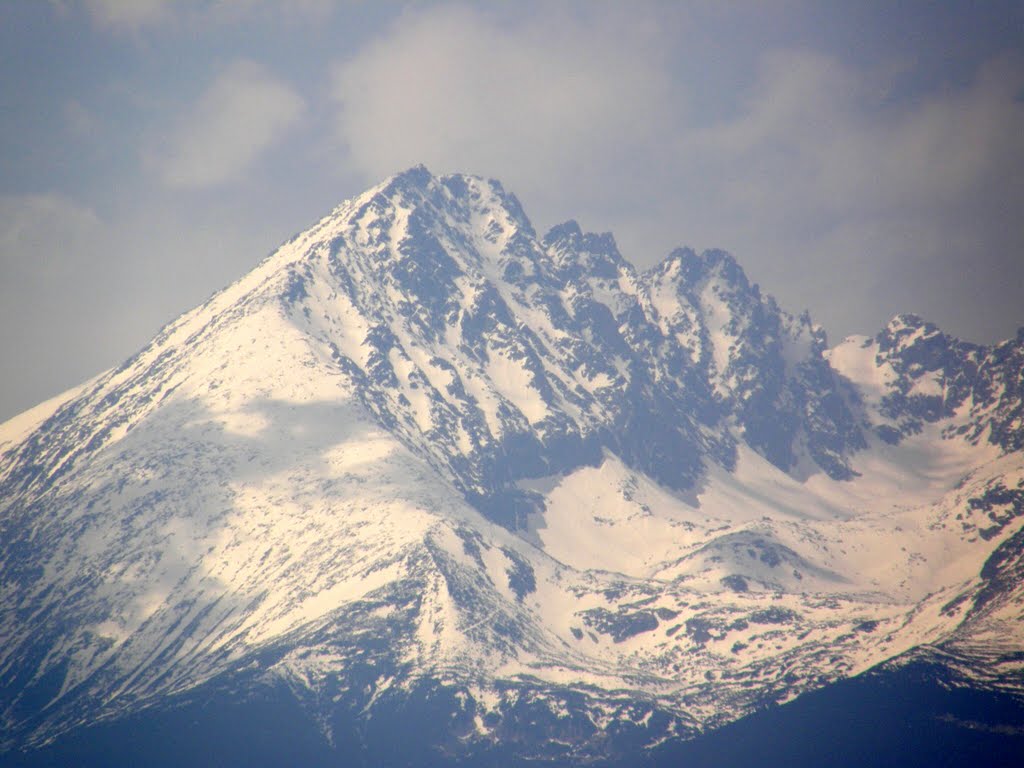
906,321
696,267
578,254
569,231
416,180
419,451
909,331
416,175
461,187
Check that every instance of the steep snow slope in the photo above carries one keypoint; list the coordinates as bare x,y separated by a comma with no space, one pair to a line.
419,444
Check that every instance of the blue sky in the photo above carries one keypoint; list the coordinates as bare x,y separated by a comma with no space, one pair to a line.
858,161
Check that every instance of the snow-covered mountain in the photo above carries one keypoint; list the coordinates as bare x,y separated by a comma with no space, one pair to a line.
422,460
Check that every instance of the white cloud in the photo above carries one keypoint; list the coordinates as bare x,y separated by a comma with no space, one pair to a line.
531,100
243,112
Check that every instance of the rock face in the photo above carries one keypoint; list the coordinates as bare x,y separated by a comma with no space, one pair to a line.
424,463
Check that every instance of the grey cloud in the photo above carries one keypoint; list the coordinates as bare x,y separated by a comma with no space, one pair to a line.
904,202
48,255
134,17
857,153
41,224
80,291
130,15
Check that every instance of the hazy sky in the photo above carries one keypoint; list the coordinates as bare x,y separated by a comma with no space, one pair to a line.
858,162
